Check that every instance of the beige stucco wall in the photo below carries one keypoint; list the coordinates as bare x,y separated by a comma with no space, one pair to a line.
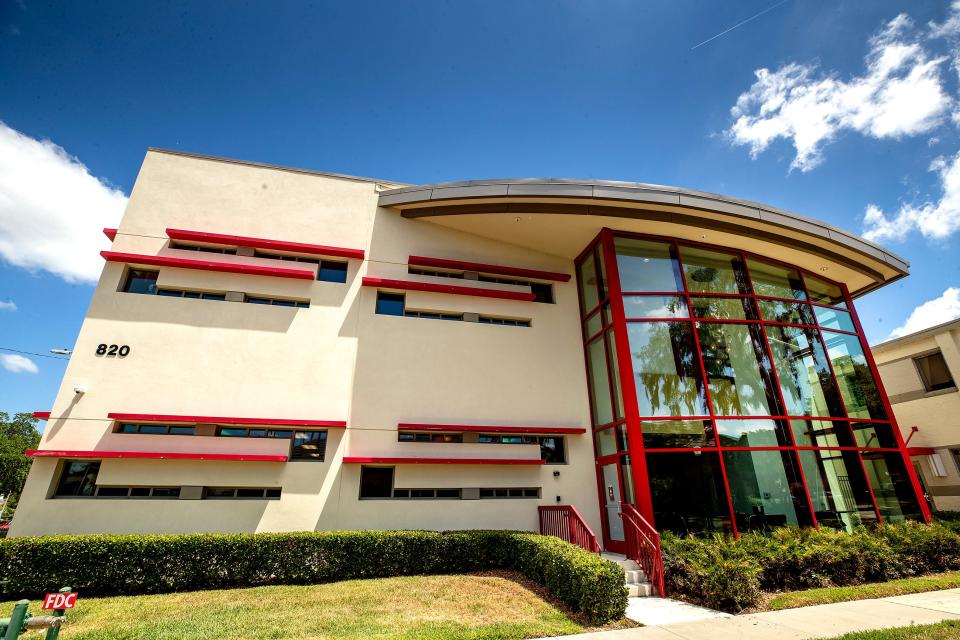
336,360
936,414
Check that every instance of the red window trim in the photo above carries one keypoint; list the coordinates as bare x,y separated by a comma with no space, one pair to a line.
41,415
263,243
920,451
154,455
110,233
414,426
281,422
408,285
207,265
443,263
376,460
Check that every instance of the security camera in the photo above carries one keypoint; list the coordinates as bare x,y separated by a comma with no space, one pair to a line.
80,390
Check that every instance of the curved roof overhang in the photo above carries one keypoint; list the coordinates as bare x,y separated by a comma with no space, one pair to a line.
559,217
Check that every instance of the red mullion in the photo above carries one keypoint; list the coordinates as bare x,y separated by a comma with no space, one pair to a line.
891,417
610,425
631,408
843,403
706,390
779,394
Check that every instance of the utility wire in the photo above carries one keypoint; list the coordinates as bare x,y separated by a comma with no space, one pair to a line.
31,353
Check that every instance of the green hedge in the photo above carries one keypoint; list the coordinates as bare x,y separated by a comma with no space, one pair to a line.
101,565
728,574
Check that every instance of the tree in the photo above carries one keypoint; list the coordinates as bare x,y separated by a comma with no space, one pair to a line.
16,436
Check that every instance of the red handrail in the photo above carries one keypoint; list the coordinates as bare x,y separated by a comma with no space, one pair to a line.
643,545
566,523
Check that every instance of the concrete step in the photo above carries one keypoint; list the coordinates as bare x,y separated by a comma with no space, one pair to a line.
639,590
635,576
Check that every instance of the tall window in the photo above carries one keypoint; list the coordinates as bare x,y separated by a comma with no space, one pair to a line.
754,400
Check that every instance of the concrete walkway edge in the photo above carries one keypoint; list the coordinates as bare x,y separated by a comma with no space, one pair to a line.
803,623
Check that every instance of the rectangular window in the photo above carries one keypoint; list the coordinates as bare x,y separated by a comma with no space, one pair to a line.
857,386
776,281
196,295
417,271
666,369
332,271
766,490
277,302
156,429
138,492
738,370
507,322
309,445
203,249
647,266
410,436
803,370
676,434
78,478
713,271
723,308
432,315
528,492
655,307
241,493
390,304
141,281
838,488
280,256
376,482
551,447
934,372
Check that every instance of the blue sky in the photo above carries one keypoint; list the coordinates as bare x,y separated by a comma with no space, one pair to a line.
434,91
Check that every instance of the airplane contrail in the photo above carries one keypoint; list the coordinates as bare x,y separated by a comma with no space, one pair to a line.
740,24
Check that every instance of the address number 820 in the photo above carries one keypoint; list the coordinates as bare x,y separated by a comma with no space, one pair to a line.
113,350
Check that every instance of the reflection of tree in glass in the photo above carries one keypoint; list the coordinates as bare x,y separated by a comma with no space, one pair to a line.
665,364
858,388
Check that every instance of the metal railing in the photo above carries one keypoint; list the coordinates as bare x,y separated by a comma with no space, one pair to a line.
566,523
642,544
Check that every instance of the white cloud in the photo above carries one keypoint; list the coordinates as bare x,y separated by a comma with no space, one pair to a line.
931,313
8,305
901,93
18,364
934,220
52,210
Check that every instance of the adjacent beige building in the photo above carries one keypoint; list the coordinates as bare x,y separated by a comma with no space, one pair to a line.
273,349
920,373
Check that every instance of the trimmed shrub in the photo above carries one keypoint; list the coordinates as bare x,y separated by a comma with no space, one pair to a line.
728,574
104,565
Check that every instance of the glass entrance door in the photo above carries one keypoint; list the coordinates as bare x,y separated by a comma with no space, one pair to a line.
610,477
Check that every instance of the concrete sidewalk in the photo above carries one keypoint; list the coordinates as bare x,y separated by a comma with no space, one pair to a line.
821,621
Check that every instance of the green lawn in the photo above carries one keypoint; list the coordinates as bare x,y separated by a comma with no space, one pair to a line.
949,630
409,608
933,582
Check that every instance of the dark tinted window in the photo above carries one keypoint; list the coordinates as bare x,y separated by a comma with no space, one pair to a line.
331,271
140,281
376,482
390,304
79,478
309,445
542,292
551,450
934,372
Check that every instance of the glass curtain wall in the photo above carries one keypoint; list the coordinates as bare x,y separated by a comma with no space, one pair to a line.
742,391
